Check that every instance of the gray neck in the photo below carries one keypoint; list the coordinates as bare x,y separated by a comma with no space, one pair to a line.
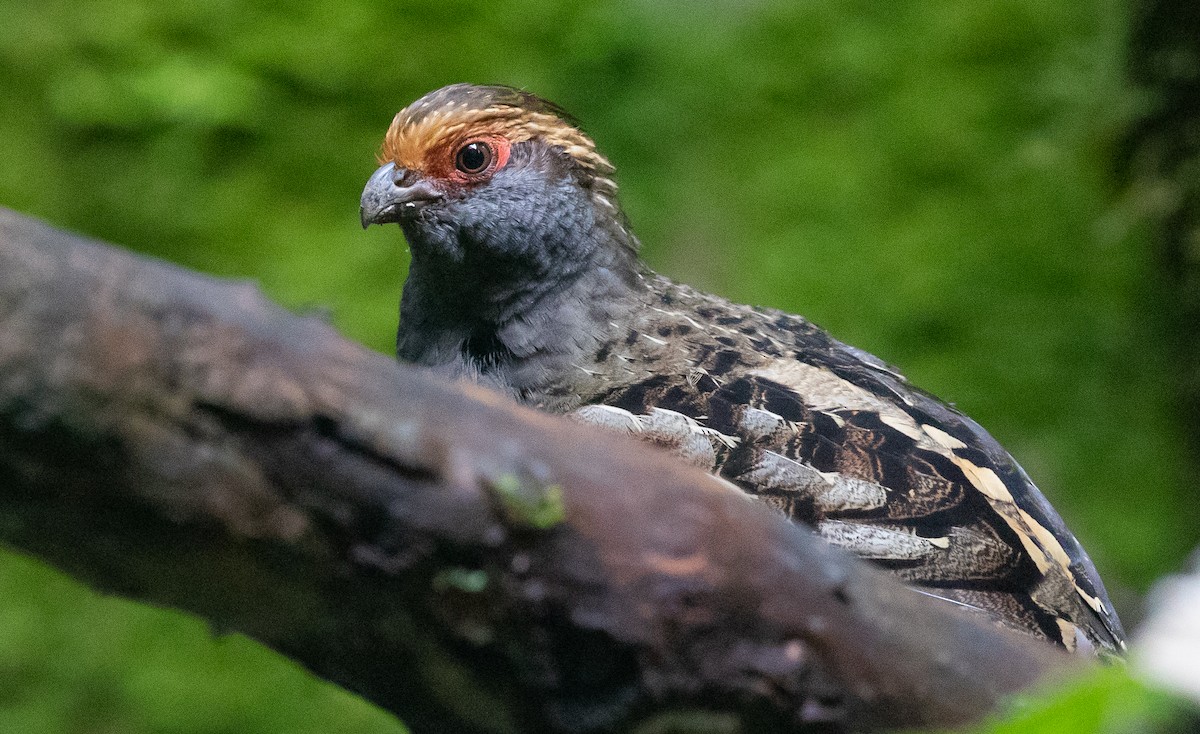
519,324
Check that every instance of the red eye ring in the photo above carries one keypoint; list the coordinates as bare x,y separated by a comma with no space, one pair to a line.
474,158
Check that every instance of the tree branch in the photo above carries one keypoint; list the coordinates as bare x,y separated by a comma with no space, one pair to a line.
468,564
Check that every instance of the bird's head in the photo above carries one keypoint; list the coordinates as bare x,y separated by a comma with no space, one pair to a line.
497,177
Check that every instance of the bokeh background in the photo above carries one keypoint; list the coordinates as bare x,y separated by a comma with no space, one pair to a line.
935,182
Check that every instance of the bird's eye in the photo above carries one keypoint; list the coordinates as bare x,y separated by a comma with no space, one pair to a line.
473,158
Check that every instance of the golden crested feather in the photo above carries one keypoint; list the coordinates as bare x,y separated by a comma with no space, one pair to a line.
453,115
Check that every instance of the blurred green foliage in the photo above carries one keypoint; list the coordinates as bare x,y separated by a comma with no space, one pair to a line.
1105,701
931,181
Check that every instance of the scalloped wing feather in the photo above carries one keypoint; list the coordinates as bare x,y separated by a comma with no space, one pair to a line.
835,439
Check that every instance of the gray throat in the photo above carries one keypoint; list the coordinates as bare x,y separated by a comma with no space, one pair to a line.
527,336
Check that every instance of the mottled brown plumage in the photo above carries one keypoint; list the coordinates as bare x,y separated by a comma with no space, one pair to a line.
525,277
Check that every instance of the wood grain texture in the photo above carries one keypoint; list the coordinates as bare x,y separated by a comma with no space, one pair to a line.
468,564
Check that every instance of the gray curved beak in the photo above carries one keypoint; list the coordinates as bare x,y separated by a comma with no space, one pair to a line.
393,194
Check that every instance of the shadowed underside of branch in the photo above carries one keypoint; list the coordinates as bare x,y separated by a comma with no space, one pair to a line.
468,564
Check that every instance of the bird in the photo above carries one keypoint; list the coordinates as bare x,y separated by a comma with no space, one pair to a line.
525,277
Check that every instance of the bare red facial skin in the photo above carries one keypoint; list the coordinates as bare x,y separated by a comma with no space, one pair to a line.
440,164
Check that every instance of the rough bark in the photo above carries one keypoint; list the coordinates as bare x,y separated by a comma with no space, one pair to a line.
468,564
